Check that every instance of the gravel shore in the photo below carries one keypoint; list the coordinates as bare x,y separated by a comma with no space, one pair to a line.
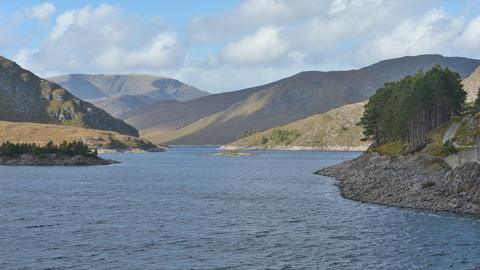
419,181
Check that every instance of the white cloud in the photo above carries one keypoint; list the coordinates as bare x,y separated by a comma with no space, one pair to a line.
435,32
255,42
41,12
249,16
160,52
470,38
262,47
104,39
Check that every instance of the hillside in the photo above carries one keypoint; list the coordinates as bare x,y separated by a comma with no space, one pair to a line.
223,118
24,132
24,97
119,94
336,129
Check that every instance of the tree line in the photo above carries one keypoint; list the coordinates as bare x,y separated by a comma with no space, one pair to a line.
67,148
408,109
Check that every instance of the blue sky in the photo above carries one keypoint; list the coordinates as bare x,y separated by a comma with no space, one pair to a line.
228,45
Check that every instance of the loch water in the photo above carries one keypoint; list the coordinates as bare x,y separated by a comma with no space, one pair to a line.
183,209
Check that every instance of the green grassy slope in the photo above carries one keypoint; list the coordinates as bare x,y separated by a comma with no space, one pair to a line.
334,130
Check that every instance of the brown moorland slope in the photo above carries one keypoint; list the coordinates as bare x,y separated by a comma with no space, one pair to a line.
24,132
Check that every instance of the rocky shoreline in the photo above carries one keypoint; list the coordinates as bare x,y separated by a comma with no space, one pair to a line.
414,181
55,160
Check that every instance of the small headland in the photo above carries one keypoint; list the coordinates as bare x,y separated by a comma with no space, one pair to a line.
74,153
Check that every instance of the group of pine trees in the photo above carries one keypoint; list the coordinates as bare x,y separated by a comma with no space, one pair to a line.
67,148
408,109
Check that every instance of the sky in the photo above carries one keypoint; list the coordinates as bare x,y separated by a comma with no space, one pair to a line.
228,45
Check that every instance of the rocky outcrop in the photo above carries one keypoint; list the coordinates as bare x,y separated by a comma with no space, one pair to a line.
471,84
54,160
421,182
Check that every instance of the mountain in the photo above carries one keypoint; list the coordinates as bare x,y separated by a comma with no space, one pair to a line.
336,130
224,118
119,94
24,132
24,97
471,84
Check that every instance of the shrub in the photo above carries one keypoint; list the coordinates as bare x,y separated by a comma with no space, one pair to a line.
448,149
428,184
396,148
279,136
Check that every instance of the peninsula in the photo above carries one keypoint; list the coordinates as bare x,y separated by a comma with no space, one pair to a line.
425,151
74,153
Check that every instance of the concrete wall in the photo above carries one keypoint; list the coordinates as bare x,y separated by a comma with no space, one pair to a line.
465,155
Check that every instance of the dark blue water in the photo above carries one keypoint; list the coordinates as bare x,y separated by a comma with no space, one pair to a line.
185,210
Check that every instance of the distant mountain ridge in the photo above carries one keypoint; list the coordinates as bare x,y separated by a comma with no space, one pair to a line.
226,117
94,86
119,94
24,97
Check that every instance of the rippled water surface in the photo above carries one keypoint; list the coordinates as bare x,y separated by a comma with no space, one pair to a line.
185,210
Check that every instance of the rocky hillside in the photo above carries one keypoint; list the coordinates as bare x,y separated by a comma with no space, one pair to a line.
24,132
224,118
24,97
119,94
471,84
336,129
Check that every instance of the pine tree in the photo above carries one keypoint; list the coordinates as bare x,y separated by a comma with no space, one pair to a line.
408,109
